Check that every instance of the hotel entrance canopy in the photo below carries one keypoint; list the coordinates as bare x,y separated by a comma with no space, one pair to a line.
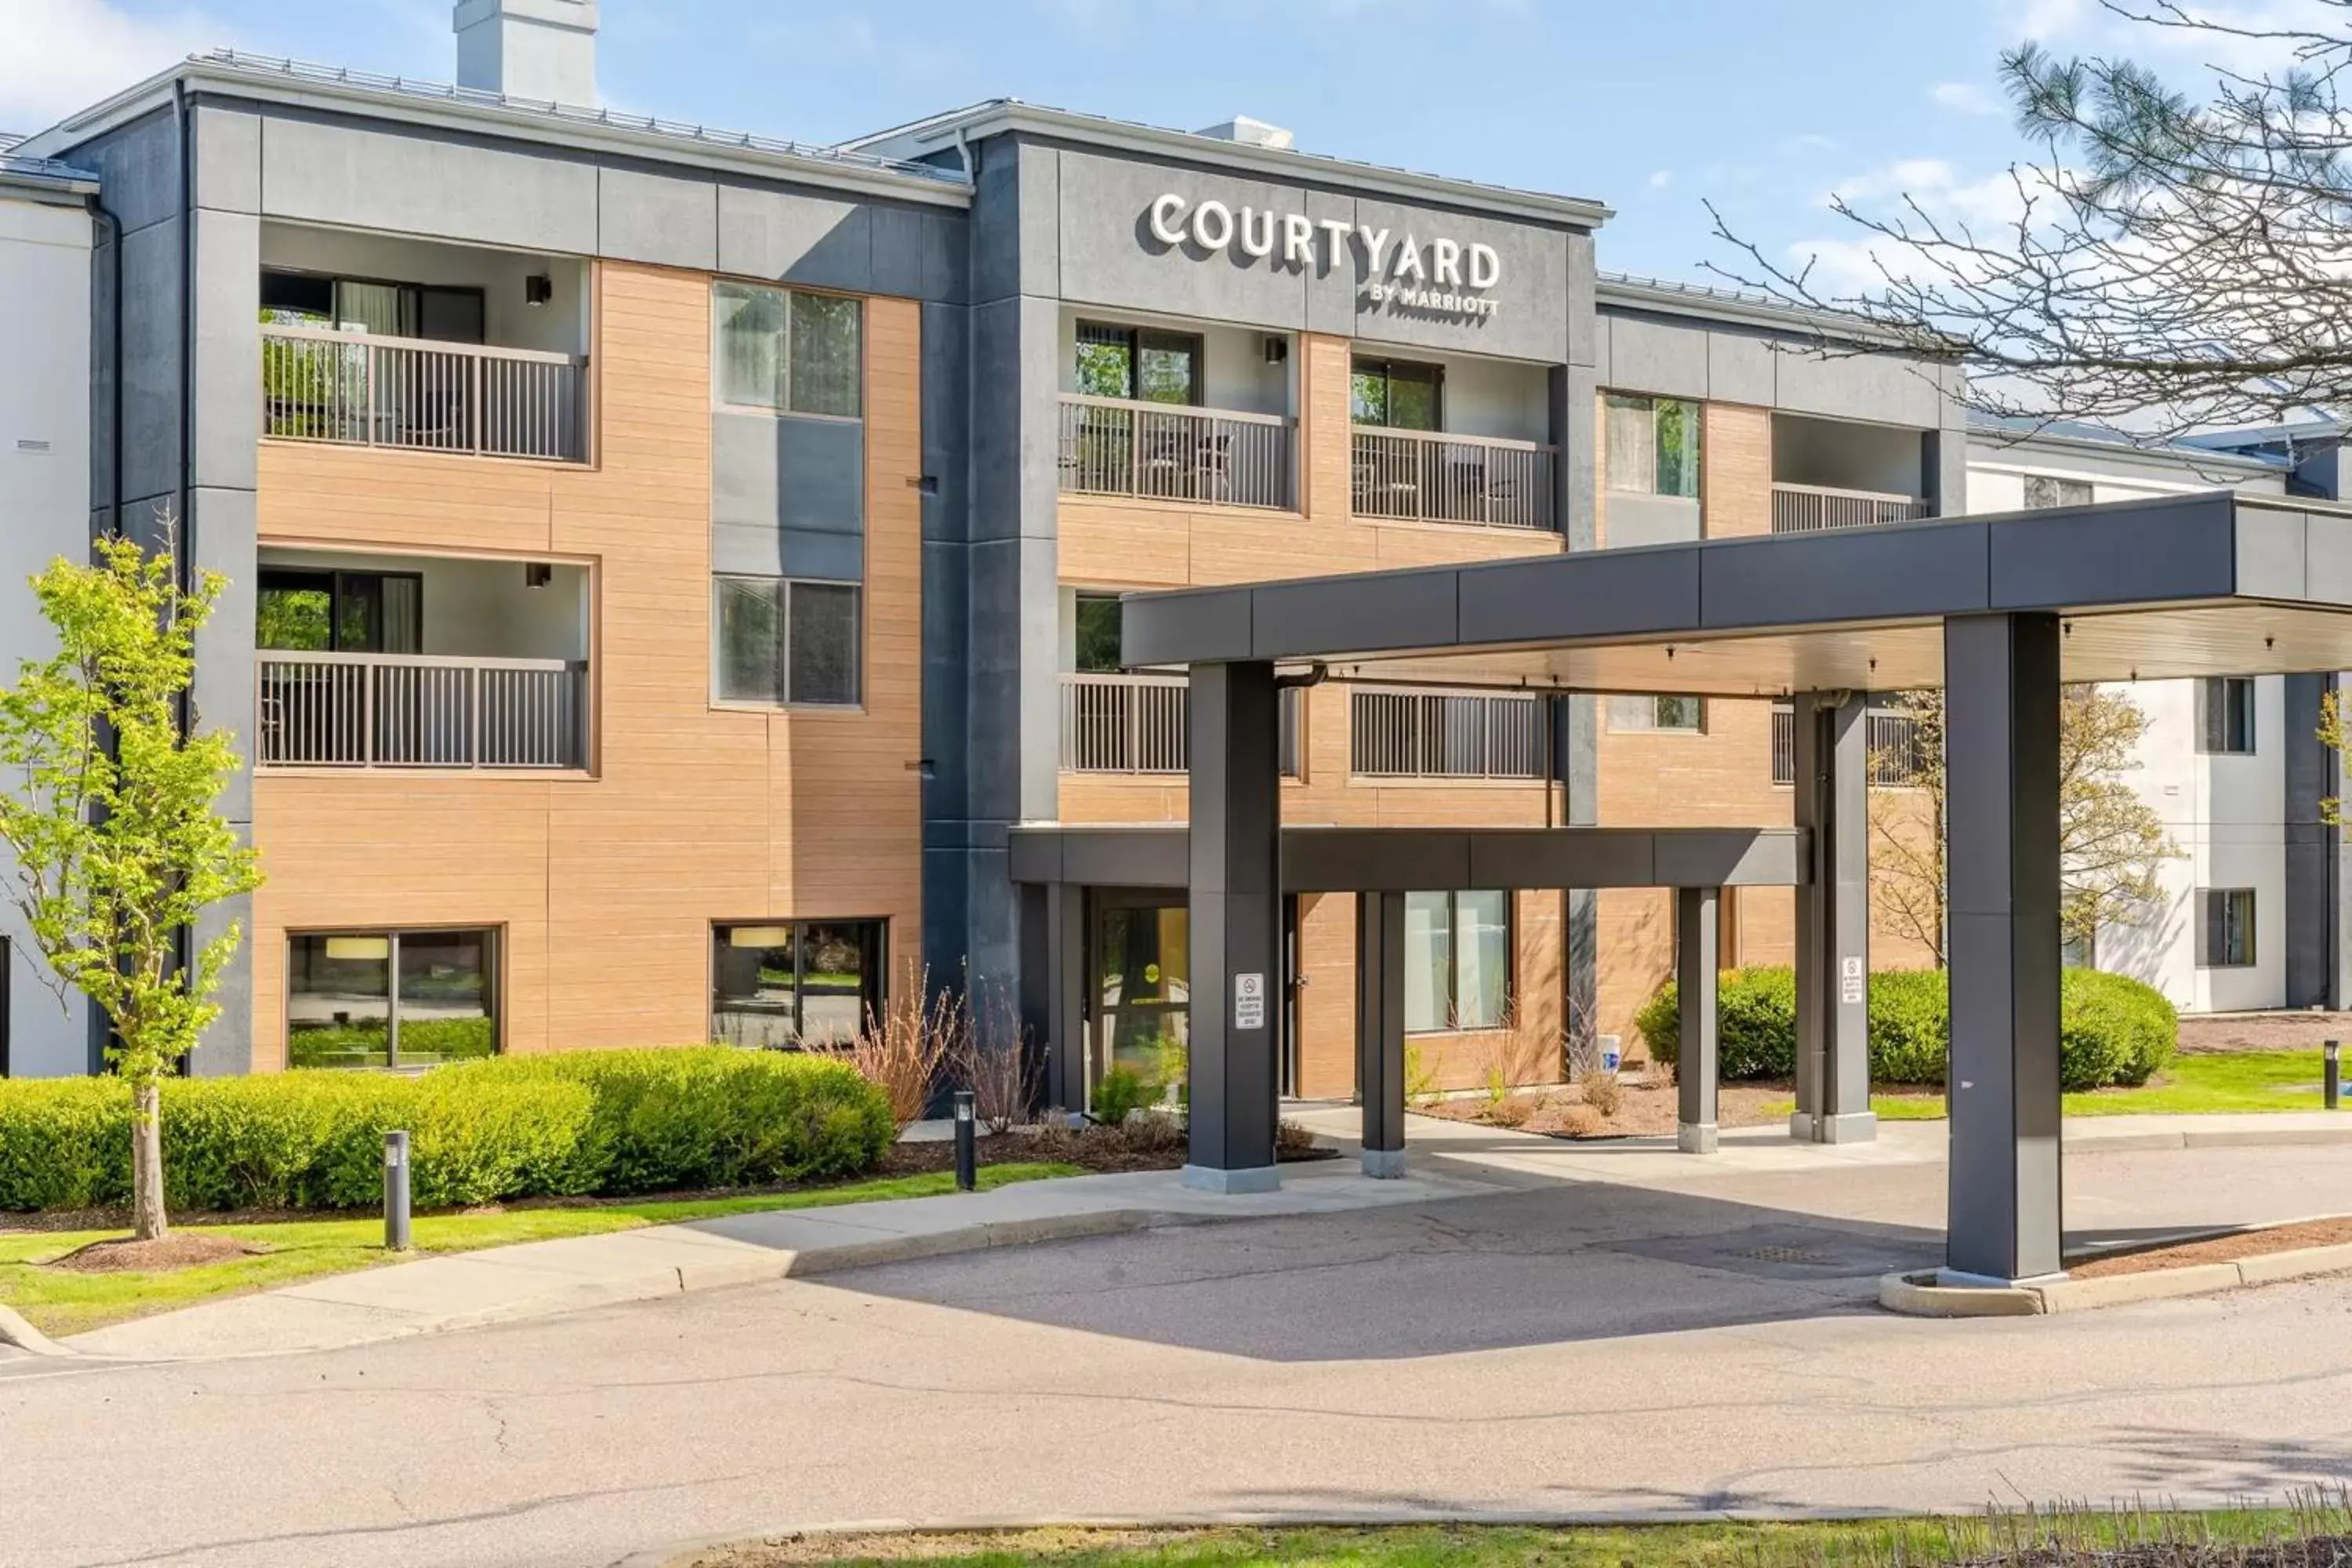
2000,611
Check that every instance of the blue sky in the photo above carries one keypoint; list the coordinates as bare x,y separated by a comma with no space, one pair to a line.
1764,106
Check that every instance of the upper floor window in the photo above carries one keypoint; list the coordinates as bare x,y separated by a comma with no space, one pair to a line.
2225,928
2225,715
2043,491
786,642
1687,714
1652,446
781,349
1097,634
304,610
1139,363
1399,394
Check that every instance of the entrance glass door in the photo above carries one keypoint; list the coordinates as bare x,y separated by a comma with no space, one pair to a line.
1142,967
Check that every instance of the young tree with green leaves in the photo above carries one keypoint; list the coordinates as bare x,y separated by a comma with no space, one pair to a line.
108,806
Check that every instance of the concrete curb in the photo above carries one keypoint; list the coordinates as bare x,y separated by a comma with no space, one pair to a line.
1918,1296
15,1331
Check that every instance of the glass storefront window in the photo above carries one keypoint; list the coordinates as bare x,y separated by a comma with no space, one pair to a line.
1458,961
1143,996
791,983
342,1010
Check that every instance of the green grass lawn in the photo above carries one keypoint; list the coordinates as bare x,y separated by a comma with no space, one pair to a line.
1915,1544
57,1302
2238,1080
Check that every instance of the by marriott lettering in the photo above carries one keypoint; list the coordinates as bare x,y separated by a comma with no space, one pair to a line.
1399,269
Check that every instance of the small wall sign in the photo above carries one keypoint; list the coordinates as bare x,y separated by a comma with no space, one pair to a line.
1249,1000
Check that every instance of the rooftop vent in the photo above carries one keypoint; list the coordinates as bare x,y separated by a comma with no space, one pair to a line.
1256,132
543,49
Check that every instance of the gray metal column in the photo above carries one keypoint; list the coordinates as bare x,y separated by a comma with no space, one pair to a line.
1698,958
1237,926
1832,800
1065,955
1379,1029
2000,747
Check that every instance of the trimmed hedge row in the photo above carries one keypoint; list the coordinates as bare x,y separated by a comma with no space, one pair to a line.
609,1122
2111,1030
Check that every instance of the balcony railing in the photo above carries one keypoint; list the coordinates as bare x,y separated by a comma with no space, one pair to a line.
1810,509
1432,476
417,711
1445,734
1897,757
358,389
1140,724
1168,451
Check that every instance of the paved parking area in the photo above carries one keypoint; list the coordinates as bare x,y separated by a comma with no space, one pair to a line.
1583,1348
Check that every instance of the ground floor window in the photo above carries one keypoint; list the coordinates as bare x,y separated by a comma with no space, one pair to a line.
2225,933
788,983
1457,960
390,998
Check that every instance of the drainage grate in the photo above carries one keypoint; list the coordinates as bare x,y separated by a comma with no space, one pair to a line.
1784,1255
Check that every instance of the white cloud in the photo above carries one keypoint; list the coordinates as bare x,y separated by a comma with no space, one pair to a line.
65,54
2089,27
1849,262
1964,97
1661,178
1805,142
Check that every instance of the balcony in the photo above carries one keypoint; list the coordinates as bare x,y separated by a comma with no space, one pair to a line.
1437,476
1140,724
1446,735
1810,509
1898,756
413,711
1168,451
363,390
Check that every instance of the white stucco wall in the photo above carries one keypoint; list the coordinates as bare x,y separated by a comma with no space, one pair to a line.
2225,813
45,506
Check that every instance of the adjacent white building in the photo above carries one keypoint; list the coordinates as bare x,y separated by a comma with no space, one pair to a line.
2230,765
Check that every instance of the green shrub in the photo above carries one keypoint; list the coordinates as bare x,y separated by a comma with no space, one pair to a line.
2112,1029
601,1122
1117,1092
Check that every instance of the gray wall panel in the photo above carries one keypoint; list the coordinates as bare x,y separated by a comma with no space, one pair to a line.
430,185
1408,611
150,358
1586,595
822,464
2327,559
1891,572
1040,223
139,165
1583,328
1843,385
816,240
898,251
833,557
1742,367
2164,552
747,549
1332,293
228,158
947,257
1531,319
221,526
2270,555
228,359
1657,354
994,266
1110,255
1211,623
744,475
665,220
1635,519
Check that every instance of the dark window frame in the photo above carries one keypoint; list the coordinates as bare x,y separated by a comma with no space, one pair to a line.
1136,340
784,406
493,939
1079,619
1384,370
874,986
1453,1008
413,305
2225,940
2226,728
281,579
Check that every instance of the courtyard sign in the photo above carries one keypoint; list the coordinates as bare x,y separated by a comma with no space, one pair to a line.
1400,271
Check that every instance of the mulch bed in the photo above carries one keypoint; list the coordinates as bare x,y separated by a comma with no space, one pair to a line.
2217,1248
1645,1108
2216,1034
179,1249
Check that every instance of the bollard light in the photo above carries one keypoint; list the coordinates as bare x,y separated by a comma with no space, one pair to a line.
967,1158
2331,1079
395,1192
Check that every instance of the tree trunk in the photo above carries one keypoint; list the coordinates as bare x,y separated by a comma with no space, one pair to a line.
147,1160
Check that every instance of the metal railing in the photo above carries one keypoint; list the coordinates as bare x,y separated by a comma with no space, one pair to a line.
1142,725
359,389
419,710
1445,734
1170,451
1897,757
1432,477
1810,509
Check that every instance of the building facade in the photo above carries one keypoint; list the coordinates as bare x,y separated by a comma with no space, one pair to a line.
664,567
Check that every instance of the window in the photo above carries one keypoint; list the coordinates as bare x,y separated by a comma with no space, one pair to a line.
1686,714
1458,961
437,314
2043,493
795,983
2225,928
1399,394
1652,446
795,352
306,611
1139,363
2225,715
1098,622
388,998
781,641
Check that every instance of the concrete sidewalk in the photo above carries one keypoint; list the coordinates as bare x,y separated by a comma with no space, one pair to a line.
539,1278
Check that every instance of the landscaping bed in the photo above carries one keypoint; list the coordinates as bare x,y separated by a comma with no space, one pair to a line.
1645,1108
2227,1248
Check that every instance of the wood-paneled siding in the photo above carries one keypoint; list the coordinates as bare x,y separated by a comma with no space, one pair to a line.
605,884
